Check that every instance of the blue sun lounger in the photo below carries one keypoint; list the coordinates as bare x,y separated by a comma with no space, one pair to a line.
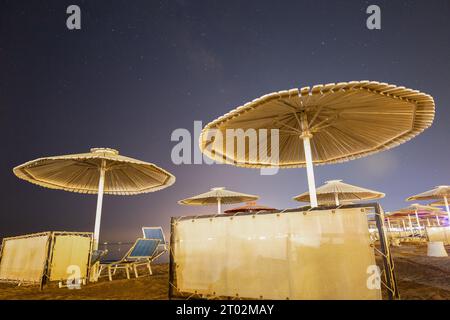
142,253
156,233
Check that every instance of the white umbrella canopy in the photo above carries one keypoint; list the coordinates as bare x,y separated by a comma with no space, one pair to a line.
101,171
439,203
218,196
336,191
325,124
438,193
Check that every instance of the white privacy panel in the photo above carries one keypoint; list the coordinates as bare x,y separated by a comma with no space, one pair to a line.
321,254
439,234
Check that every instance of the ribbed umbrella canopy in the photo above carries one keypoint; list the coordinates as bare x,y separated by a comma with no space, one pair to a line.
218,196
81,173
439,203
325,124
336,192
100,171
250,207
438,193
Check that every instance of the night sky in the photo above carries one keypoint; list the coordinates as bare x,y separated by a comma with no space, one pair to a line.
137,70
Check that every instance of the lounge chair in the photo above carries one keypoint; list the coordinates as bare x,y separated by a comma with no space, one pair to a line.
142,253
156,233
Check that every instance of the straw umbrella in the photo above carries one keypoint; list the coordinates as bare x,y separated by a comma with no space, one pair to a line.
337,191
101,171
325,124
250,207
438,193
218,196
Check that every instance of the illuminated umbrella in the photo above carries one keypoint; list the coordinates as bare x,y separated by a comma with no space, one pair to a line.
325,124
218,196
336,191
250,207
438,193
417,210
101,171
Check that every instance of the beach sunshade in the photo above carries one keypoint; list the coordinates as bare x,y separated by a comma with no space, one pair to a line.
218,196
250,207
438,193
101,171
336,191
417,210
439,203
321,125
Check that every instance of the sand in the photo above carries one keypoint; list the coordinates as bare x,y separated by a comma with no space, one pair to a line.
419,278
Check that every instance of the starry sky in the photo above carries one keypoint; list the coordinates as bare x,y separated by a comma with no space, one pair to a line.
137,70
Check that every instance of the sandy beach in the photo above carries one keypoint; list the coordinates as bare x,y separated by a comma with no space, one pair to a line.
419,278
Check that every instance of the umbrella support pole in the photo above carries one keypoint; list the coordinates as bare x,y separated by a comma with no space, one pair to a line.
410,225
336,199
418,223
438,222
98,214
219,203
310,170
447,207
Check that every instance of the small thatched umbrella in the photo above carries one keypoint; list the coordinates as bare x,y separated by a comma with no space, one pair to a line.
321,125
336,191
438,193
218,196
250,207
101,171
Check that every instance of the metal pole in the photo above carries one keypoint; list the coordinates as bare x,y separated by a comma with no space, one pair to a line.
437,219
389,224
446,207
306,136
336,199
310,171
410,224
418,222
219,209
428,222
98,214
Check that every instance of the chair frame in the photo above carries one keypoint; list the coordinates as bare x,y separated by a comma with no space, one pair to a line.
129,264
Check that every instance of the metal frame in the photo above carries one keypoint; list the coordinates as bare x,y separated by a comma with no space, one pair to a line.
390,282
46,268
133,263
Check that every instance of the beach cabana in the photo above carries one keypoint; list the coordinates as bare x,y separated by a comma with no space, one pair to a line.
336,191
218,196
101,171
324,124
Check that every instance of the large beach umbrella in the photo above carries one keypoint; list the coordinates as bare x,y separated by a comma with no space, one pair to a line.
101,171
218,196
321,125
336,191
438,193
250,206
